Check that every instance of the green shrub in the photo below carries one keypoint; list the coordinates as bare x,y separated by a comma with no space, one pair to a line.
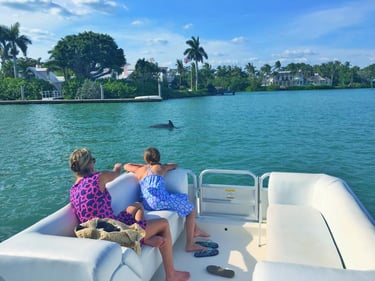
10,88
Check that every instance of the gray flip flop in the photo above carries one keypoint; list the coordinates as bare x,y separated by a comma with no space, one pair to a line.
218,270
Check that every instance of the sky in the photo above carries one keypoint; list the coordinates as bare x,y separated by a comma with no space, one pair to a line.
234,33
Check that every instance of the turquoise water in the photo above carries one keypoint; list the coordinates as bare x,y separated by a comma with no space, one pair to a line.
307,131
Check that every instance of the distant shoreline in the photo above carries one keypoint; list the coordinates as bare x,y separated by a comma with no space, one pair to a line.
80,101
62,101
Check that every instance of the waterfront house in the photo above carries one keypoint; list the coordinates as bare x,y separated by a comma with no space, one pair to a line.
286,79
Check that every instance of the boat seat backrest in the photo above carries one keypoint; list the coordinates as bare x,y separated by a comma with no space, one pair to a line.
291,188
355,241
124,191
60,223
125,188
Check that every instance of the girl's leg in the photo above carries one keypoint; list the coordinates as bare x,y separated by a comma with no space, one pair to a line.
136,210
192,230
160,227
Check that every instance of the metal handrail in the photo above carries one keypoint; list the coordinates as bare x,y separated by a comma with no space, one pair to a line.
260,213
229,172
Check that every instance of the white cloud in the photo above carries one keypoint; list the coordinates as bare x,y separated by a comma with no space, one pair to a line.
321,22
158,41
137,22
240,39
296,53
188,26
47,21
37,34
37,6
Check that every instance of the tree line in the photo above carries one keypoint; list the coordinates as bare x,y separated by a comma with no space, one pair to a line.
83,58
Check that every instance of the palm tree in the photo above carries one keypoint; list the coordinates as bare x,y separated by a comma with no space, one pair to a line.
196,53
180,69
3,45
13,42
277,66
266,69
250,69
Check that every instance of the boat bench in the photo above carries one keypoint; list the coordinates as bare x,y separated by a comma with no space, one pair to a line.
49,250
308,238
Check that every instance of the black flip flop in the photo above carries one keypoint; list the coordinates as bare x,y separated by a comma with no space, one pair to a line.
219,271
206,253
208,244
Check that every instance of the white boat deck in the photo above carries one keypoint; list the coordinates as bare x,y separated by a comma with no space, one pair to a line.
238,250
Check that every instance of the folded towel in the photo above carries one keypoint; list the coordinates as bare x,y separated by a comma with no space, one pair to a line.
112,230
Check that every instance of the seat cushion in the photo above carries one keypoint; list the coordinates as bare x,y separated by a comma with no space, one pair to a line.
176,223
147,263
271,271
299,234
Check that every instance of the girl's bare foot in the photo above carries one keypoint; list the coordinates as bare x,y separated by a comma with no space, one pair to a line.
200,233
155,241
194,248
178,276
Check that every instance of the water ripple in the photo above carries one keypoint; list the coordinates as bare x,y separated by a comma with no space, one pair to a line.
322,131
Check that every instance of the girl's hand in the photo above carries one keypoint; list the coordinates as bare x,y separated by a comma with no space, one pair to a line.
117,167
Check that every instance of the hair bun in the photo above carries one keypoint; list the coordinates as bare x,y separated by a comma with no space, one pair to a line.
75,167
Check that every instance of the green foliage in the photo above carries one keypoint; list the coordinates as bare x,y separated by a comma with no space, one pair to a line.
145,77
89,90
7,69
86,53
196,53
11,43
70,88
368,75
10,88
115,89
22,65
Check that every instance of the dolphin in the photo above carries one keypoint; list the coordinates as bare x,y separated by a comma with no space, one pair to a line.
169,125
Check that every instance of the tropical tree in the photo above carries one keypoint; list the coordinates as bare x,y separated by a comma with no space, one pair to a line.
145,76
207,75
368,74
250,69
330,69
3,45
266,69
180,69
12,42
196,53
277,66
87,54
21,65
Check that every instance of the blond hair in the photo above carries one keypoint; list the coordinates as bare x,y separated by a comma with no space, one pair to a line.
79,161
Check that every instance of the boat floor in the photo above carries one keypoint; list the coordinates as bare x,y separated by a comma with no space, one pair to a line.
238,250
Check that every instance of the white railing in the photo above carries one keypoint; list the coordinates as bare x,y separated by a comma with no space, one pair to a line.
51,95
233,199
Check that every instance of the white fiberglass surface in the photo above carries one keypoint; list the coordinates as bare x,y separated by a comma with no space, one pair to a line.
238,251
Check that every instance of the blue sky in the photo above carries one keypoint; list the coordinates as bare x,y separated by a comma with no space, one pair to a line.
232,32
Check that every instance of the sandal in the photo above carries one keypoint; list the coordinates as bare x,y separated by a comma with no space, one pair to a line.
208,244
206,253
217,270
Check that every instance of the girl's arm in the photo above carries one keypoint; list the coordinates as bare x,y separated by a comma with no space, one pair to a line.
132,167
167,167
107,176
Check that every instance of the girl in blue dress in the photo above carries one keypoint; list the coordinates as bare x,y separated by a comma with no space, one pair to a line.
156,197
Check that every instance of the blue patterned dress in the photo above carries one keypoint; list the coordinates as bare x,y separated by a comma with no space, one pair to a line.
156,197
